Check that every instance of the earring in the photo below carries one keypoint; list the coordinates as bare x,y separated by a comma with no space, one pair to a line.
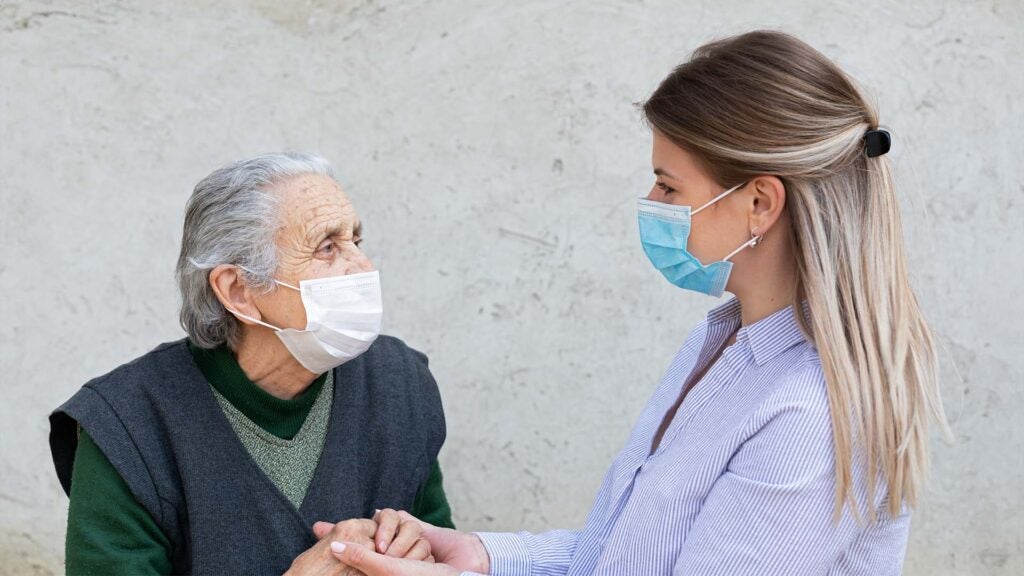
755,239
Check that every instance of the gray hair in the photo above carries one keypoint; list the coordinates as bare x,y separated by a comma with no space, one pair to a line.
232,217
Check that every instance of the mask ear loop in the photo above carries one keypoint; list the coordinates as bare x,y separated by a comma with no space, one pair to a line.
719,197
754,241
251,319
285,284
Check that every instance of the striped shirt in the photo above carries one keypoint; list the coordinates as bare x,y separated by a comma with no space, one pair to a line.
742,482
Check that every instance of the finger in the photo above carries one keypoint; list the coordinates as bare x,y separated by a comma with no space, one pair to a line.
419,551
387,526
406,517
425,526
408,534
367,528
355,528
366,561
321,529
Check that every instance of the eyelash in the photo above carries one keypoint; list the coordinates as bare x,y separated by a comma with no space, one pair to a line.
331,246
665,188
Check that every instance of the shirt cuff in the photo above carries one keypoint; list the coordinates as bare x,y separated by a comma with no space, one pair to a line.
508,553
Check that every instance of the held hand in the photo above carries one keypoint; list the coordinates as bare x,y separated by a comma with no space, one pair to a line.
400,536
371,563
463,551
319,560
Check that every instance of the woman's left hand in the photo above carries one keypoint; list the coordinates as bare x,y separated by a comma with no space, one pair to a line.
373,564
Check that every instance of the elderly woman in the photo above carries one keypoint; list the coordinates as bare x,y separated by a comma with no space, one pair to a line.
221,452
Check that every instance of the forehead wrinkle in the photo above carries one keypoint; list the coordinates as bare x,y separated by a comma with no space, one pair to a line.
328,223
326,230
316,206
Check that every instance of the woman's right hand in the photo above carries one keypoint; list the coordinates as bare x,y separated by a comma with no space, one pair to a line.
460,550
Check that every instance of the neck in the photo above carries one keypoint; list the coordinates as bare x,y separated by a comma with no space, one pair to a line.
269,365
768,281
760,306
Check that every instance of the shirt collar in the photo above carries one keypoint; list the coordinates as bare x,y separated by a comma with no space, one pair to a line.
768,337
773,335
728,312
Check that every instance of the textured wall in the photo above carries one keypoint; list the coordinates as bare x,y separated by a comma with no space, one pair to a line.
494,154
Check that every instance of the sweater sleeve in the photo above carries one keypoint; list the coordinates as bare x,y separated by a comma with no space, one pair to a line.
109,531
431,504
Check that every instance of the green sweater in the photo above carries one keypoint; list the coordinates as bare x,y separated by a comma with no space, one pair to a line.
110,533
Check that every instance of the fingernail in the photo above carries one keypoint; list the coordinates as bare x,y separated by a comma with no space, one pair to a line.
337,547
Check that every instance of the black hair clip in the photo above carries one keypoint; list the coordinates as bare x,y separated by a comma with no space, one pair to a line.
877,142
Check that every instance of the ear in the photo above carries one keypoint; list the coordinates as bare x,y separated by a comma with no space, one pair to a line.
232,292
767,201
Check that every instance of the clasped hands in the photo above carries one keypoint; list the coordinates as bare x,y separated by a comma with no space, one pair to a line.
391,544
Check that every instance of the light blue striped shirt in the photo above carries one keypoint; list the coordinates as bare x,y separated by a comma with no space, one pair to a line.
742,483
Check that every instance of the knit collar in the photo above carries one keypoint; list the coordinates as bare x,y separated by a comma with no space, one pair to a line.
282,418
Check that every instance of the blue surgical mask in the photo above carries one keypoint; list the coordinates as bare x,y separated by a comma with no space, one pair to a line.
664,232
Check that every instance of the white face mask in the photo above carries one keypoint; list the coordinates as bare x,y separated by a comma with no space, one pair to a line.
343,317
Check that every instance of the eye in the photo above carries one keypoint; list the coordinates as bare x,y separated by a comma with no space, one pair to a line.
665,188
327,247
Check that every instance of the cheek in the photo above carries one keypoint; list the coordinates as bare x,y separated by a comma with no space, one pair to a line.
292,262
711,239
283,308
701,244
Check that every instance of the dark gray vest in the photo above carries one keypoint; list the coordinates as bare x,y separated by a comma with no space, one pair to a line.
159,424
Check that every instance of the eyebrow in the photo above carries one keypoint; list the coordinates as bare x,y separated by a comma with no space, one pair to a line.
663,172
322,233
332,230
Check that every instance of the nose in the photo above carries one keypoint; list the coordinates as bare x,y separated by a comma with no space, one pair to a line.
361,262
656,195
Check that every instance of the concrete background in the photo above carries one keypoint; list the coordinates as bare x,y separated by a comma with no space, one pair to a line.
493,152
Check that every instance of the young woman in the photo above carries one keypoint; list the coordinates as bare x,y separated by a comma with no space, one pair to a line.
790,434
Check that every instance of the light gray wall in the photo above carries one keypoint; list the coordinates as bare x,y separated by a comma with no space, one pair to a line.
494,154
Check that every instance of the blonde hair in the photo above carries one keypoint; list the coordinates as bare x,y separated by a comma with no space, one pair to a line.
767,103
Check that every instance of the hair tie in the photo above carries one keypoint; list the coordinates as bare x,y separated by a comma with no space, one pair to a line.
877,142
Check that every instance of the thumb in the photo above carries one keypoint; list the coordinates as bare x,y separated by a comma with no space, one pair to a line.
321,529
363,559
